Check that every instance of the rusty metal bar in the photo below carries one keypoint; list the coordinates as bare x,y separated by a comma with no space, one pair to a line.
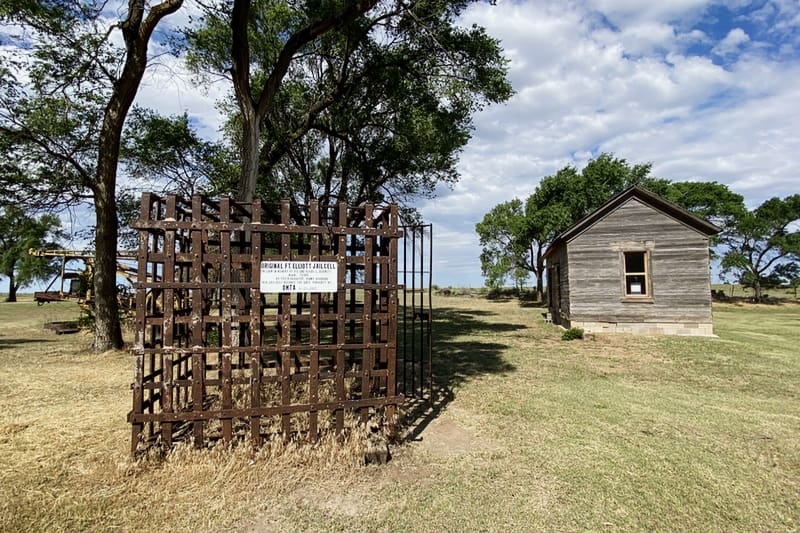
200,316
256,327
169,327
413,312
368,354
162,226
313,366
391,349
227,306
196,416
416,377
405,306
341,302
421,313
430,311
197,371
285,325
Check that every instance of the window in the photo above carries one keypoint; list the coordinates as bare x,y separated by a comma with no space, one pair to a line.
636,274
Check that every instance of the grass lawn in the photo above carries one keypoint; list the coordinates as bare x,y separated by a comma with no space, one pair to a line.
529,432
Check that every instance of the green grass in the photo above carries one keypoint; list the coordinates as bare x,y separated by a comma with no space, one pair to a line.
627,432
530,433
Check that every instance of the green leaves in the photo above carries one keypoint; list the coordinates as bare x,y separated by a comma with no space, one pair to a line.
513,241
709,200
62,125
18,233
167,154
515,238
50,144
763,245
375,109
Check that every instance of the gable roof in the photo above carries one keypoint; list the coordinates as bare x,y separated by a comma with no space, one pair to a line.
643,195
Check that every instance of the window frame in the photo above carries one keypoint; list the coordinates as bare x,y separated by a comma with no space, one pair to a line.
647,283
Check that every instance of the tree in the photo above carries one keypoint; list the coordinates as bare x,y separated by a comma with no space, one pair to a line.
711,201
256,43
19,233
513,236
784,274
166,154
503,236
763,243
375,110
62,131
794,278
601,179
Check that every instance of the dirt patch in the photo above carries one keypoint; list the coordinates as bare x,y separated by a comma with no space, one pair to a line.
444,437
332,499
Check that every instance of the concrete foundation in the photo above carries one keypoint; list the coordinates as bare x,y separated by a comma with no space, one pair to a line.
647,328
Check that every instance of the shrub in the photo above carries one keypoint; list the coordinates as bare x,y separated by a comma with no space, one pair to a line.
572,333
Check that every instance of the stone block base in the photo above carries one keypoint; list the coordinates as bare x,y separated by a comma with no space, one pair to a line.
647,328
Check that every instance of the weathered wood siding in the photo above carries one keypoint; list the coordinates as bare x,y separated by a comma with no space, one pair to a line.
679,269
559,310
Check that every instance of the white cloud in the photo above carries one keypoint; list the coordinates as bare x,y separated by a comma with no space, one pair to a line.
648,37
631,87
623,13
622,76
167,87
732,42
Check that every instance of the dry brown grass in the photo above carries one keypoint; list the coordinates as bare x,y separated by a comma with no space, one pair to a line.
64,447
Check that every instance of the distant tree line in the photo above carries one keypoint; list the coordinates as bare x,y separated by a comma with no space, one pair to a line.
759,248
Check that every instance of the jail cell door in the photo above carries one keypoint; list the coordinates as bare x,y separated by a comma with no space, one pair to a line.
415,339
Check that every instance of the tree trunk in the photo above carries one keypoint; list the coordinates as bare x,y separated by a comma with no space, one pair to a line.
255,107
108,333
757,290
539,274
249,152
12,287
136,31
539,285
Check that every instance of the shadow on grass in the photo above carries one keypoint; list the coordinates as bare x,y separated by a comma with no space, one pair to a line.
6,344
461,350
533,304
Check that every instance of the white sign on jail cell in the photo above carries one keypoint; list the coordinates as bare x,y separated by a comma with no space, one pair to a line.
299,276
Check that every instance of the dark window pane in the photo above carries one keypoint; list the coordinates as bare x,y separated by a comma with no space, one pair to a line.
634,261
635,285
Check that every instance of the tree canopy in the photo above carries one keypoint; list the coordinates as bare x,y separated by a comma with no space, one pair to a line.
19,233
64,99
333,100
166,154
504,236
516,235
763,249
375,110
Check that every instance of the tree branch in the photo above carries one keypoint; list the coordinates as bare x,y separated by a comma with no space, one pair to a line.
300,39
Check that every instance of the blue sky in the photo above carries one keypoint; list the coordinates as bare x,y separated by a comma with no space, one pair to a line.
705,91
702,90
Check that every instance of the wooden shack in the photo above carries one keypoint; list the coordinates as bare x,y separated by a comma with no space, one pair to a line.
638,264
